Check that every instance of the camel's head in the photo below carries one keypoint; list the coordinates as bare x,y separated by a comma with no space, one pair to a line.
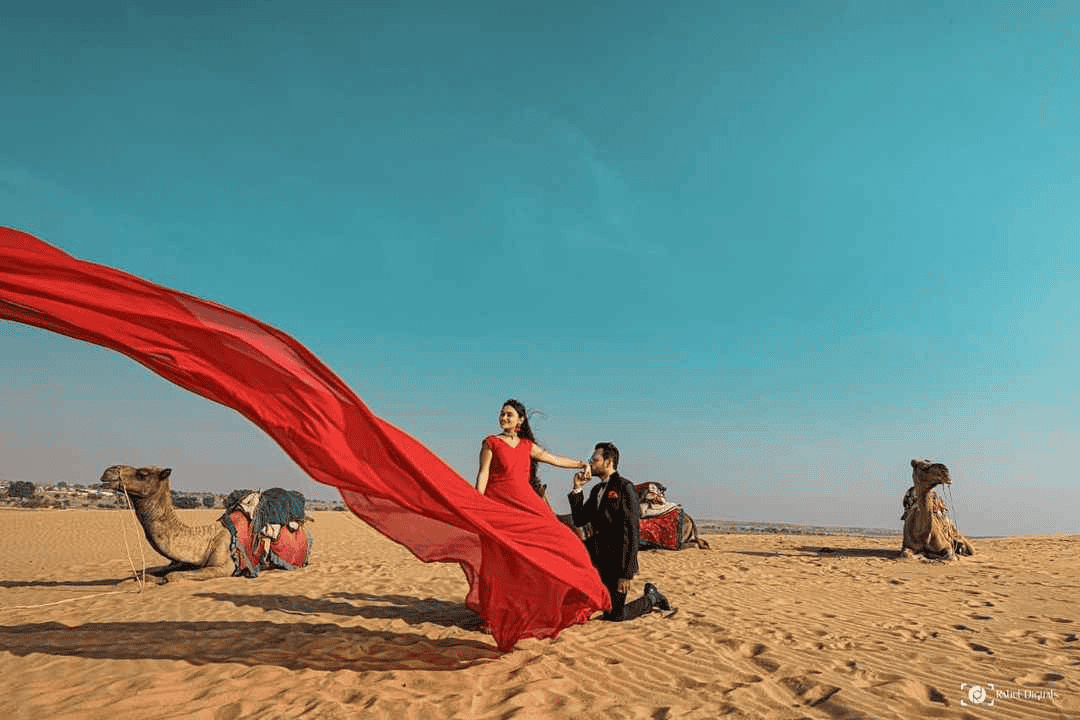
139,482
928,474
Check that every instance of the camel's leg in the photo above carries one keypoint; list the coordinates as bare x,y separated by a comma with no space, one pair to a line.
205,573
219,564
960,543
702,545
945,553
157,575
166,569
691,537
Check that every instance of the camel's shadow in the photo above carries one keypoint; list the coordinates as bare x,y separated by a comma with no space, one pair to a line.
295,646
818,551
62,583
412,610
825,551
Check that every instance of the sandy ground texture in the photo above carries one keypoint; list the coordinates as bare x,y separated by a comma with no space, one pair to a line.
769,626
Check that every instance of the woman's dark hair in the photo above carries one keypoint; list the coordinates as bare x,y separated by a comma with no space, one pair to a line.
525,431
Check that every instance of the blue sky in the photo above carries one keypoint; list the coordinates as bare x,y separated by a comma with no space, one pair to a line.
772,250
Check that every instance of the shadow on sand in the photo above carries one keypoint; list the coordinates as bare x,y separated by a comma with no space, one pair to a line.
63,583
412,610
825,551
818,551
295,646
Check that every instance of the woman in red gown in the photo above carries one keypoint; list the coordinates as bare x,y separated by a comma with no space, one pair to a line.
508,462
529,576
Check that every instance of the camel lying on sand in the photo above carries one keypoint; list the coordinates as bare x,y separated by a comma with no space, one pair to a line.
197,553
664,524
928,530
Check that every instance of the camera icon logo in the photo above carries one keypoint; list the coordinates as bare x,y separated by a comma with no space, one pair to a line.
977,694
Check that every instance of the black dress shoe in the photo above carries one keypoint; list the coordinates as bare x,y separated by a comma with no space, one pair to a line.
659,602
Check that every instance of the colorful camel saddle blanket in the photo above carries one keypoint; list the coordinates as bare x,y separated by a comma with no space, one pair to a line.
662,522
267,530
663,531
937,505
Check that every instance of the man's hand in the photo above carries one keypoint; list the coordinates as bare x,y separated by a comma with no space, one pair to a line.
581,477
624,585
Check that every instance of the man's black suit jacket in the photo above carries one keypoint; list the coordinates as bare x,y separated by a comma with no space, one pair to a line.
613,545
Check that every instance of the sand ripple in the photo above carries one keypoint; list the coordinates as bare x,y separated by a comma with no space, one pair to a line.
769,626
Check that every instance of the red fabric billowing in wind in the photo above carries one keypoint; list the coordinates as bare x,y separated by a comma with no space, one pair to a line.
529,575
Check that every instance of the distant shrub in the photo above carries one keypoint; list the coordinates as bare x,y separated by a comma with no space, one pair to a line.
21,489
185,502
208,501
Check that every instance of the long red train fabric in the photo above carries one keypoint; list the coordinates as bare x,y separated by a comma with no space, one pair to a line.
528,574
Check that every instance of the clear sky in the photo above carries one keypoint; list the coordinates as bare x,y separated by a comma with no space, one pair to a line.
774,251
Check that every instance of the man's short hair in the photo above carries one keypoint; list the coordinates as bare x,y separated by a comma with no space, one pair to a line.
609,452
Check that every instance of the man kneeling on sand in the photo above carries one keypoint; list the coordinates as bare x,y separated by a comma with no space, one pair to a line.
614,513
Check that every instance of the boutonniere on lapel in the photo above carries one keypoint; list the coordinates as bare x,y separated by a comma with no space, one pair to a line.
613,495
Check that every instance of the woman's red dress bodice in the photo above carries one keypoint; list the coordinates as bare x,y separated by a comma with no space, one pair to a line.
508,476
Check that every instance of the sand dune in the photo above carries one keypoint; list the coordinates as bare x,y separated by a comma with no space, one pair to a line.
769,626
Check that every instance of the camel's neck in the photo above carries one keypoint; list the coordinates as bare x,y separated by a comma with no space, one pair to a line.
927,520
169,535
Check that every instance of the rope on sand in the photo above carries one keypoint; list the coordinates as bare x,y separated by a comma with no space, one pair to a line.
58,602
140,580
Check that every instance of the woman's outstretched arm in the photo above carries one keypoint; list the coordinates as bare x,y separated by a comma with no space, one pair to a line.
539,453
485,467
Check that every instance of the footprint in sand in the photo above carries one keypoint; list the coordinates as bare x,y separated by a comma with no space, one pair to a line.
907,689
1037,678
767,664
755,652
979,603
809,690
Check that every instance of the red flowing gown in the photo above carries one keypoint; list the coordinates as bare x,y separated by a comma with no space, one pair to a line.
508,476
528,574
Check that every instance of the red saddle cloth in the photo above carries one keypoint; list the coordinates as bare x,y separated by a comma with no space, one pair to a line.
252,553
663,531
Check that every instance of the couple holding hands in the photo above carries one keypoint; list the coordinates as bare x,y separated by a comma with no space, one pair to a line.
507,473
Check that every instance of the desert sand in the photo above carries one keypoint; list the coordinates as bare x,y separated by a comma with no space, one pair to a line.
769,626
